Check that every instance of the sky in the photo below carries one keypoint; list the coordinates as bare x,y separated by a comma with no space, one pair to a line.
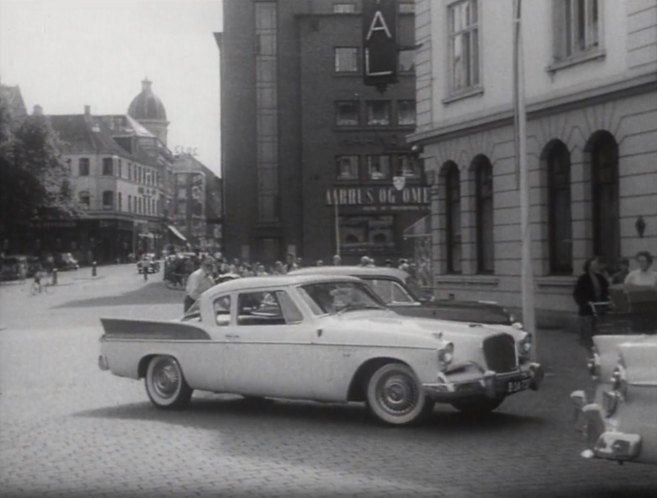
65,54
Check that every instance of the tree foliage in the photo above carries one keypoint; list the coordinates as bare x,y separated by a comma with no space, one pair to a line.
34,180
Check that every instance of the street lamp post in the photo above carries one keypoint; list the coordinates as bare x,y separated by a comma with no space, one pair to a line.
522,175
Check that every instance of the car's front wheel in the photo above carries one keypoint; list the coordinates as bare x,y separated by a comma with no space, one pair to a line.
478,406
165,383
395,395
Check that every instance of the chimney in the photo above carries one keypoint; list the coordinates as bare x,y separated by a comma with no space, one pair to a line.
38,110
87,110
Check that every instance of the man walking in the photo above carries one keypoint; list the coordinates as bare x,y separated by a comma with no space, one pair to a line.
198,282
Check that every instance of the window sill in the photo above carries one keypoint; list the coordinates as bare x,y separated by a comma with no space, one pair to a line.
464,94
556,281
468,280
576,60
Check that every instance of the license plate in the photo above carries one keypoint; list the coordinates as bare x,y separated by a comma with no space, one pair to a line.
513,386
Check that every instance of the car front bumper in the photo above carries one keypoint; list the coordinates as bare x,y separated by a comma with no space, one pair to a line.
470,381
602,438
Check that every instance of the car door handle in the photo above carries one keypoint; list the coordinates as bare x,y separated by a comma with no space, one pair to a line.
232,336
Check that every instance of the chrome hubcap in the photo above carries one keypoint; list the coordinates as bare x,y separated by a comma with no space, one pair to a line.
166,380
398,394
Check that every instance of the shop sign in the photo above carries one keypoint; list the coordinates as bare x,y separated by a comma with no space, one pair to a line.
379,42
52,224
410,197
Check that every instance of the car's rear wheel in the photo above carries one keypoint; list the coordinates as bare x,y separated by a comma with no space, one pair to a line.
477,406
165,383
395,395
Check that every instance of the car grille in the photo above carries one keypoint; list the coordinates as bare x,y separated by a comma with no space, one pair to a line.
500,353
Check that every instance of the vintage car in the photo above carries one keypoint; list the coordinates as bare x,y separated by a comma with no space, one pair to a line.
322,338
148,264
620,422
14,267
400,292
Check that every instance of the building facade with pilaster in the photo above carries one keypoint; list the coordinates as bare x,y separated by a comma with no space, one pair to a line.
590,85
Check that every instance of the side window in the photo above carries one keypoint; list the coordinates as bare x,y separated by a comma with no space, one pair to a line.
221,307
259,308
390,292
290,311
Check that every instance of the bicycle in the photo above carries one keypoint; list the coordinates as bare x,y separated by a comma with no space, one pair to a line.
38,286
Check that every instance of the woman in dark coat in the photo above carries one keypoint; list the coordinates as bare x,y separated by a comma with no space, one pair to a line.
592,286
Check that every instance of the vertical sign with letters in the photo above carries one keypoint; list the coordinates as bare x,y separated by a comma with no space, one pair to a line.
380,43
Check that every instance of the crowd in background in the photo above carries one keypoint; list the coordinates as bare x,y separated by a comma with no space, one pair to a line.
178,266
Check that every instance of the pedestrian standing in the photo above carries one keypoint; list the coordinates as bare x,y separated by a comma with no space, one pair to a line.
198,282
591,287
337,260
643,276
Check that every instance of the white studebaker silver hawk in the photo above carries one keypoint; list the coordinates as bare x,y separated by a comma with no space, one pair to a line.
323,338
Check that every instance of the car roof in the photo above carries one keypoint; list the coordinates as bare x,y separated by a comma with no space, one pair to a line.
360,271
246,283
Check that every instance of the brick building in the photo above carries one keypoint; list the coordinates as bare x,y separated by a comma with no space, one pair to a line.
309,151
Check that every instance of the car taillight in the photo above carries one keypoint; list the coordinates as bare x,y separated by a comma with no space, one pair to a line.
593,364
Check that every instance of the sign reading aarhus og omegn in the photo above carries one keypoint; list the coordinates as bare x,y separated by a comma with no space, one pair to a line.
379,42
379,197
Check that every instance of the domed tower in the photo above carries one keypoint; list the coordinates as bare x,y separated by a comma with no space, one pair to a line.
149,111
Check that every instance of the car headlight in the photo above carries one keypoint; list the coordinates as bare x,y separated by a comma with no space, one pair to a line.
445,355
593,364
524,347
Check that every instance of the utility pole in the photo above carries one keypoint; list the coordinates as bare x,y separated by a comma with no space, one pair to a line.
522,176
336,215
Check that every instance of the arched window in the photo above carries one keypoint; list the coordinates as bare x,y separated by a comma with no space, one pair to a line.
604,189
108,199
557,158
484,214
452,182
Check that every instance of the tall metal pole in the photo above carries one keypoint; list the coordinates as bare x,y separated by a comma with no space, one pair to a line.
522,171
337,225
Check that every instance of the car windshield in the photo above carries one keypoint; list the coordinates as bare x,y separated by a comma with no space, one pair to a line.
339,297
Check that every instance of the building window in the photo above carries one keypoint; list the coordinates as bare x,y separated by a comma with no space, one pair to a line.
347,113
83,166
130,171
557,158
120,201
406,60
463,45
378,112
576,28
406,112
346,59
108,166
484,214
366,232
378,167
604,186
84,200
108,199
406,8
129,203
347,167
452,197
120,172
344,8
407,166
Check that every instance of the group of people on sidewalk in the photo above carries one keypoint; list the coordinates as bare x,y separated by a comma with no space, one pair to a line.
593,287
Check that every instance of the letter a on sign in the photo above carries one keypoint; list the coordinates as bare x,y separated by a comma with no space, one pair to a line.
380,42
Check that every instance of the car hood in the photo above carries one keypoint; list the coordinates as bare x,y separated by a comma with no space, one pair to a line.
390,328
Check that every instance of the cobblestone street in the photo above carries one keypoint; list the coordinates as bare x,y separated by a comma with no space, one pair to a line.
68,429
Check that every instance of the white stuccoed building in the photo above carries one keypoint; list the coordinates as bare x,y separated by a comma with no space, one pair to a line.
590,70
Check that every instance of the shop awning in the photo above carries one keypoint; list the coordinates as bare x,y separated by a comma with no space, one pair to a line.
177,233
421,228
